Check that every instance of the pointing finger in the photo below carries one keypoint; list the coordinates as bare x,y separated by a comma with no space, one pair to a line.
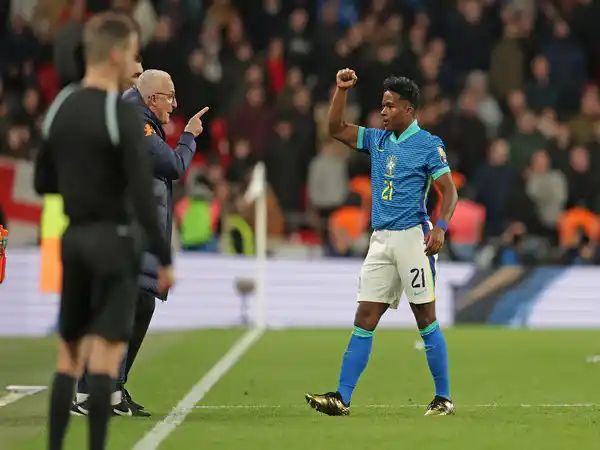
202,111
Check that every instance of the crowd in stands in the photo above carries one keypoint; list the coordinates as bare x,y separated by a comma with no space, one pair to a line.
511,86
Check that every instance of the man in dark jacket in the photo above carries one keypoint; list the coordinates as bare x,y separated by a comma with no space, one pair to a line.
154,97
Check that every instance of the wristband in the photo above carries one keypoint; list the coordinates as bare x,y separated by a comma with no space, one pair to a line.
442,224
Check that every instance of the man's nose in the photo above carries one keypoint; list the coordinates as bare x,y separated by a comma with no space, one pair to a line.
174,104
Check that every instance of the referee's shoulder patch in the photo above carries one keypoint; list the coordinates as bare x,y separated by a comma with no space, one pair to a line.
148,129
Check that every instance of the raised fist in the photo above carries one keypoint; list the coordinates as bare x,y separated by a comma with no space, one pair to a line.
346,78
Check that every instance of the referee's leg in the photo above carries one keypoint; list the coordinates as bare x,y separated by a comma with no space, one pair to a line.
74,319
110,331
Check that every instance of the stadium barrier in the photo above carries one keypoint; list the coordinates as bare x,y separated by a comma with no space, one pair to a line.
217,291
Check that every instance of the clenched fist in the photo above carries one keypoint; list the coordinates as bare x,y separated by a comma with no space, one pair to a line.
194,125
346,78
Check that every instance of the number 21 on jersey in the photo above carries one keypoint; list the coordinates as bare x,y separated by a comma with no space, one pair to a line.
388,190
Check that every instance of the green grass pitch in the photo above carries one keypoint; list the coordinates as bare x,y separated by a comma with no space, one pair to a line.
513,389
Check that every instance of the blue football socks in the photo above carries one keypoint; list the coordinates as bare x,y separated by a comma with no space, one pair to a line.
354,362
437,358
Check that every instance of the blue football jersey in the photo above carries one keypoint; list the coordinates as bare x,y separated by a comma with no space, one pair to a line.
402,169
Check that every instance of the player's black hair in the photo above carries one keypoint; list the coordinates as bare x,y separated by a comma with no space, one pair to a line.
406,88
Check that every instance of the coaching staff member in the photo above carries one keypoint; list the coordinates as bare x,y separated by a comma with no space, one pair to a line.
93,156
155,100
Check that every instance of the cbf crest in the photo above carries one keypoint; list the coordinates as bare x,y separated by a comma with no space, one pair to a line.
390,165
443,156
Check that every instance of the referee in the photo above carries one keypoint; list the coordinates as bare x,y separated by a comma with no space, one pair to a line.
92,155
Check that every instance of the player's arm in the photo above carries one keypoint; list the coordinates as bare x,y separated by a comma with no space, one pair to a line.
45,174
435,239
338,128
139,181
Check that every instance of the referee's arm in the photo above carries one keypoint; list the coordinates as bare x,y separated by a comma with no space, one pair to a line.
45,175
138,174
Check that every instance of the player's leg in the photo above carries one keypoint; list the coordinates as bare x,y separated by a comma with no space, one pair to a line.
359,347
143,315
379,289
417,272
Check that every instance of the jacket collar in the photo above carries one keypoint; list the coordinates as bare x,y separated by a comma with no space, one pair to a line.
134,97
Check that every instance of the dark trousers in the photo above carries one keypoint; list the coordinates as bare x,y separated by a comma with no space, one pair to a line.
143,315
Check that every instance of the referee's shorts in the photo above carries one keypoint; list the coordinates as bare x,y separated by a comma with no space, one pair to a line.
99,291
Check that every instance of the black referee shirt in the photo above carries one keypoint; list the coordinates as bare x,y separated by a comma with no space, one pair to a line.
92,155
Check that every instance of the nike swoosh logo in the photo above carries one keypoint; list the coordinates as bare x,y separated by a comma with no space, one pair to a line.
123,413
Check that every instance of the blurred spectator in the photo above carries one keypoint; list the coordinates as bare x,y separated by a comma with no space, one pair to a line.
465,136
196,223
466,227
547,188
67,51
586,18
294,80
221,13
298,42
347,229
328,32
231,90
17,51
541,92
469,37
567,65
583,185
488,110
507,62
303,122
342,12
559,146
328,180
195,87
30,111
163,52
582,125
584,252
266,22
516,104
286,168
252,121
18,142
492,183
525,140
241,162
275,65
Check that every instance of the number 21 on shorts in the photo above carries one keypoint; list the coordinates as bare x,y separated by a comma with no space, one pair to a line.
418,280
388,190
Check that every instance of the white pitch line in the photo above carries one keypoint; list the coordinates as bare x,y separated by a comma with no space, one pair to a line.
162,429
485,405
16,393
